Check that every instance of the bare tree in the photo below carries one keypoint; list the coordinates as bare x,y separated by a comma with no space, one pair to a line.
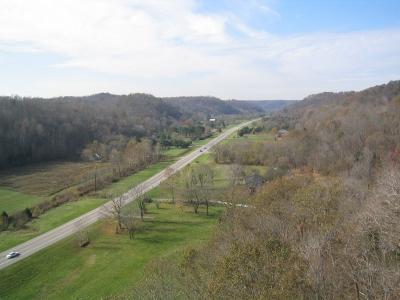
116,211
116,159
190,189
130,222
198,184
170,184
140,196
236,175
82,235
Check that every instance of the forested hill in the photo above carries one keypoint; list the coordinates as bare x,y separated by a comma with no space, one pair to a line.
37,129
261,105
210,106
346,132
366,108
214,106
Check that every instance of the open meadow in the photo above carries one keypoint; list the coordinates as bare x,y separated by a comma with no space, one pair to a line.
112,263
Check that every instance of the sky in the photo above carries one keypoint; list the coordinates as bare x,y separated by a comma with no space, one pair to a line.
231,49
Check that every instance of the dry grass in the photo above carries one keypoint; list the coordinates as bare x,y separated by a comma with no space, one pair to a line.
47,179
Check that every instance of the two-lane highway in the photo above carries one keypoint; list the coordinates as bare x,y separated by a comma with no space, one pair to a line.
42,241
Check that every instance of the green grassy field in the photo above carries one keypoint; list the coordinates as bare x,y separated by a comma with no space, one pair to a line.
249,137
221,178
11,201
60,215
129,182
112,263
48,221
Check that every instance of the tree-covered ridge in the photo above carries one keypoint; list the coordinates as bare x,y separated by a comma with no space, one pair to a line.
37,129
34,130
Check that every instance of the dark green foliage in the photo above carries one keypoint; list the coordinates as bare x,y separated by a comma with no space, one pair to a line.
4,220
244,130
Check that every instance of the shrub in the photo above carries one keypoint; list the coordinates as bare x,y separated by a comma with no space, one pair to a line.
4,220
20,218
147,199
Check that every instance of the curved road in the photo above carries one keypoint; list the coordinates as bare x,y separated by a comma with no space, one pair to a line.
42,241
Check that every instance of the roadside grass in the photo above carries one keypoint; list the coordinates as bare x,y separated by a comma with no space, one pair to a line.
129,182
175,152
221,178
249,137
72,210
62,214
53,218
11,201
111,264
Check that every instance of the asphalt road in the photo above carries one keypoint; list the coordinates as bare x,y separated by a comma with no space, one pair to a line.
42,241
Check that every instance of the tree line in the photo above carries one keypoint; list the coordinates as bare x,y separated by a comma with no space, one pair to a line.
36,129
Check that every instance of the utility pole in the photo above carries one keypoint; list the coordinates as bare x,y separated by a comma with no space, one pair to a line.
96,158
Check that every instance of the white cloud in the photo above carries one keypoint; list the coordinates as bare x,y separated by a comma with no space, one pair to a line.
167,48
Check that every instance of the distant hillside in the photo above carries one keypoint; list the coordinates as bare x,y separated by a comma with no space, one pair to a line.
261,105
340,132
207,106
212,106
36,129
372,104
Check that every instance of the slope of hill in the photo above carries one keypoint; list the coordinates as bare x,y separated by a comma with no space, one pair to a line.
261,105
372,106
44,129
209,106
212,106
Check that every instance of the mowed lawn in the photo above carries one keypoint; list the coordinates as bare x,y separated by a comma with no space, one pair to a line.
53,218
11,201
111,264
